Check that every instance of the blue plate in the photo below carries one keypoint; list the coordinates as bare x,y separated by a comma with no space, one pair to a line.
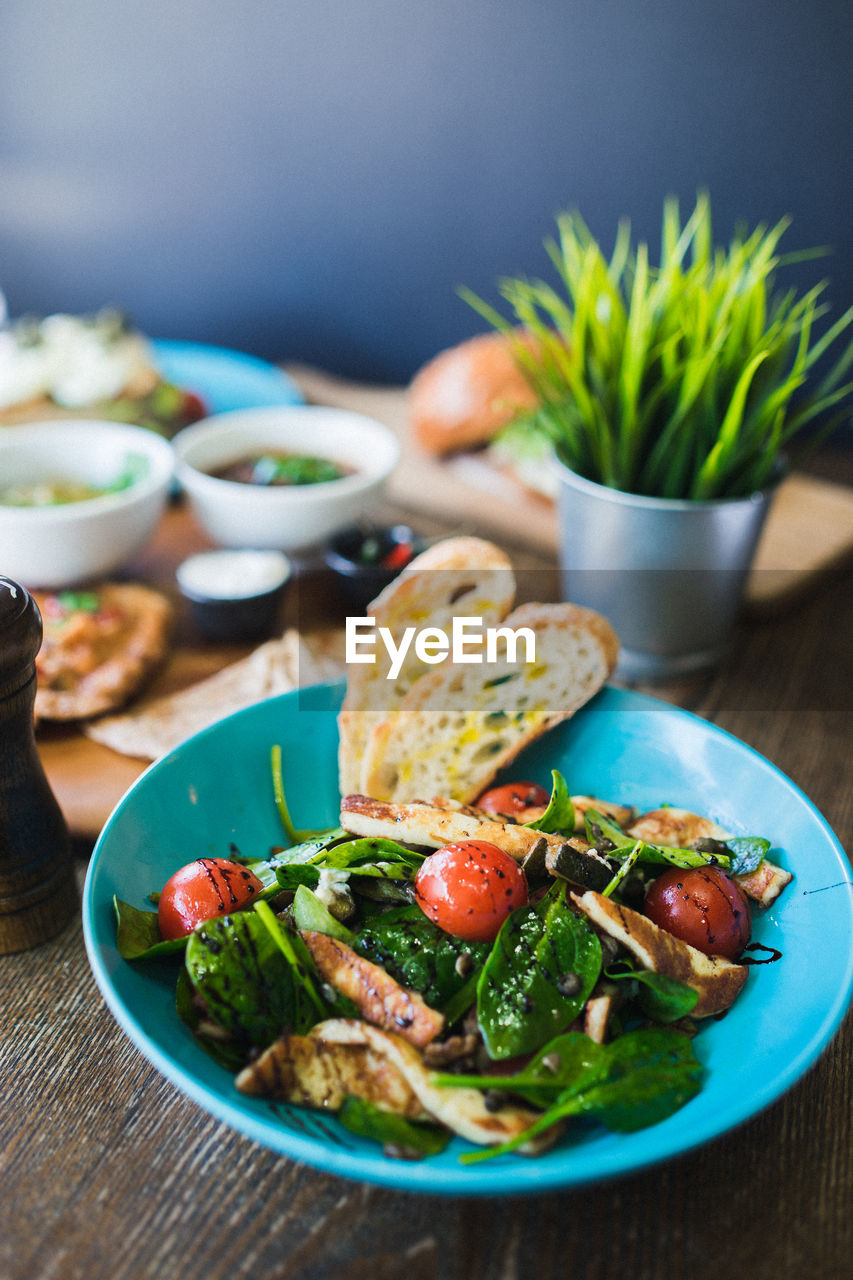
223,378
216,788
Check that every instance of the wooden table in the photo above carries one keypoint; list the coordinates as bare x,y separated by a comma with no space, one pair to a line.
109,1174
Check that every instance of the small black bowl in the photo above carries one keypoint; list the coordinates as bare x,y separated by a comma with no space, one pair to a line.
365,558
234,595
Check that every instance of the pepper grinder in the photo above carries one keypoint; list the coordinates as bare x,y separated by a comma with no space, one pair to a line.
38,893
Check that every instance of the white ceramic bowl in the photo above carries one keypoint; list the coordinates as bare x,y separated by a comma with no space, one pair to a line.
63,545
284,518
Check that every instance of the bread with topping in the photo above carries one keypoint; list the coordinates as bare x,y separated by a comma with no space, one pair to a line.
100,645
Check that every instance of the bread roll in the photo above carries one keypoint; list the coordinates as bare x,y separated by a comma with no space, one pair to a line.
464,395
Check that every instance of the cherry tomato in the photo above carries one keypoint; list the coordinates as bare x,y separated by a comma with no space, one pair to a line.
702,906
468,889
202,889
514,798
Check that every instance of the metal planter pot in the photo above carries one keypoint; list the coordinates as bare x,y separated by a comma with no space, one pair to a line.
667,573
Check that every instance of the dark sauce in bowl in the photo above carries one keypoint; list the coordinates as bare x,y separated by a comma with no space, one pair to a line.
282,470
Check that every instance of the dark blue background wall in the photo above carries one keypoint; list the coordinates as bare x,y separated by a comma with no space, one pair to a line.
312,179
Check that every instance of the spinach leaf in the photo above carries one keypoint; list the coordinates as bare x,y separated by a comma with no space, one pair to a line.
622,870
407,1138
559,817
291,877
138,934
745,852
251,985
661,998
565,1064
286,937
228,1053
648,1074
366,851
419,955
634,1081
308,851
461,1002
748,852
373,857
310,913
671,855
599,828
317,999
383,870
520,1004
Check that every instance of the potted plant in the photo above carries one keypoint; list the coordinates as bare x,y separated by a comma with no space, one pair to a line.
671,396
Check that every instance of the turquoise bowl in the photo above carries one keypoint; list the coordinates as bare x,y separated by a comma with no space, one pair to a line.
216,790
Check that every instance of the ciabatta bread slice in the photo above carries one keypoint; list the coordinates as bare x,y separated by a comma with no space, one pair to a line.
457,576
459,725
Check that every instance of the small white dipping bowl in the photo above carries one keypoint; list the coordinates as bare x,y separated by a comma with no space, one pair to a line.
69,543
283,517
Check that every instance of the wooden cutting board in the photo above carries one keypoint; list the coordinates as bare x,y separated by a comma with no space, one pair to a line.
808,532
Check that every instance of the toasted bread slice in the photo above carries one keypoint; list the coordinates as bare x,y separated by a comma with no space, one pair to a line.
457,575
717,981
459,725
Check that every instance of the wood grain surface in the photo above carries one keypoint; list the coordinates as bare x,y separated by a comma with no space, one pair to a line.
107,1173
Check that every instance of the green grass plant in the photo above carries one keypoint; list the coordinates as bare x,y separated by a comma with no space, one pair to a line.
689,379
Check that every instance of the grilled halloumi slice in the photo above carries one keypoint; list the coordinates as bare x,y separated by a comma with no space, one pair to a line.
308,1072
680,827
765,883
375,994
621,814
596,1016
433,827
343,1057
717,981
